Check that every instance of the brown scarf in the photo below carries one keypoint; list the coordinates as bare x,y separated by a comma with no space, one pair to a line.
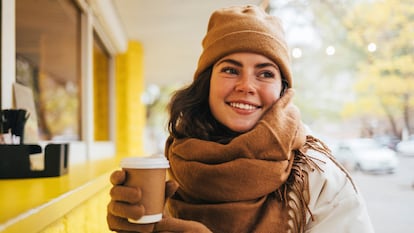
255,183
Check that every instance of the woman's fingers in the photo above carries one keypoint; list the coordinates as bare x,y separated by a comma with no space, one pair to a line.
125,210
118,177
126,194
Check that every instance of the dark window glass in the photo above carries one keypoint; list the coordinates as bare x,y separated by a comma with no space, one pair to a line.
48,62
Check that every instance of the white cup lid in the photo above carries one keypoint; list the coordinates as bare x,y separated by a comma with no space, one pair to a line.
145,162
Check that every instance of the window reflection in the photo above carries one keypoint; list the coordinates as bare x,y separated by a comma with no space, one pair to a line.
47,61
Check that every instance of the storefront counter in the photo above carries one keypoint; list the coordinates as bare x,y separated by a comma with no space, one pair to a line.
34,204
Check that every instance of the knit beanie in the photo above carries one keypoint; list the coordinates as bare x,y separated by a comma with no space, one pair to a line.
245,29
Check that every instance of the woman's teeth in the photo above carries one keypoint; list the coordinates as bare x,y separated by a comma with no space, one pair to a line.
243,106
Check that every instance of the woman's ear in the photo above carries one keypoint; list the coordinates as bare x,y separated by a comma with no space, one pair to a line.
284,87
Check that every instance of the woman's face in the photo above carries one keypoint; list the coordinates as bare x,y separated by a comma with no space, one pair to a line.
243,87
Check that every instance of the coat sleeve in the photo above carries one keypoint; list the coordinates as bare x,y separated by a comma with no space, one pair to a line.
336,205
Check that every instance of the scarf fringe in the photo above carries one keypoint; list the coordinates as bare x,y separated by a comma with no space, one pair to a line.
295,192
318,145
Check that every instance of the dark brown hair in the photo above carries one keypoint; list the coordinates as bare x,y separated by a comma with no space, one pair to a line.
190,114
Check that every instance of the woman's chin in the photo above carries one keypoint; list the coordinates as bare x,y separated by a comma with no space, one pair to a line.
241,128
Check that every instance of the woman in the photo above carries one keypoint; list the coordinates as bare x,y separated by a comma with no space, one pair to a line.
237,147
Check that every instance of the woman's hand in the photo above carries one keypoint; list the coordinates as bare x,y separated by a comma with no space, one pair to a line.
125,203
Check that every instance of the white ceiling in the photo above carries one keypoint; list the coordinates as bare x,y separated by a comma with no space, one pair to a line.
170,32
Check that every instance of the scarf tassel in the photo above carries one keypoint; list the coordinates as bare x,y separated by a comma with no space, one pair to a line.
295,192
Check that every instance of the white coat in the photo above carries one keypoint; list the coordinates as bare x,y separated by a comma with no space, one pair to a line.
334,202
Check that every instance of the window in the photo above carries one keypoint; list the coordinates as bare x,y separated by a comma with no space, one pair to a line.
48,62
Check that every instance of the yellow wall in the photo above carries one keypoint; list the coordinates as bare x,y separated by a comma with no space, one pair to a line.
90,217
101,95
129,107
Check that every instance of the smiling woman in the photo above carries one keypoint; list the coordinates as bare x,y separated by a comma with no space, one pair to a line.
240,157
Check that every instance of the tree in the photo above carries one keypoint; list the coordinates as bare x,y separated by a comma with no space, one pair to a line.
385,84
323,80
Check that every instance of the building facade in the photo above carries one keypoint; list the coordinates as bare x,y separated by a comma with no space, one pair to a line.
70,62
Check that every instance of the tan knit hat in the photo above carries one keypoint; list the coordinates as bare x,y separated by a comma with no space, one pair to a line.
245,29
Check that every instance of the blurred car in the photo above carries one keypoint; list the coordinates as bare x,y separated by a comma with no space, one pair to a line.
366,154
405,148
388,140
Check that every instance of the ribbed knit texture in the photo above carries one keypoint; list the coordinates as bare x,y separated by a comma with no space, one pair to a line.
245,29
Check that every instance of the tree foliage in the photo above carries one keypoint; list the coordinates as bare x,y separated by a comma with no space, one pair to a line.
322,80
385,78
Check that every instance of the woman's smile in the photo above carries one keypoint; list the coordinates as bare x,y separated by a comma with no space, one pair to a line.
243,106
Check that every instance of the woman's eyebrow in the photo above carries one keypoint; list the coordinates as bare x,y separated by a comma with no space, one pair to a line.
236,63
231,61
266,64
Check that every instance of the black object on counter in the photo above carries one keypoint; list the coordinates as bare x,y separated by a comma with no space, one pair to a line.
15,160
14,120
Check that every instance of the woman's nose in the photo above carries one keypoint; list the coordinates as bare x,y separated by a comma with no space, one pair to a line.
245,84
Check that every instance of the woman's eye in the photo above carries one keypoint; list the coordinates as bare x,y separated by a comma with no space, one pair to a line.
229,70
267,74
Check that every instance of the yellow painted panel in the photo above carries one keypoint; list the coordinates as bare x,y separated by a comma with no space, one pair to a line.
101,93
130,111
89,217
56,227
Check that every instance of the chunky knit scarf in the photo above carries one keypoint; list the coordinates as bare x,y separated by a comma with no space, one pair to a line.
255,183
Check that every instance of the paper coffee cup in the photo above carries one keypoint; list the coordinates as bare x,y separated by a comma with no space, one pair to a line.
149,174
